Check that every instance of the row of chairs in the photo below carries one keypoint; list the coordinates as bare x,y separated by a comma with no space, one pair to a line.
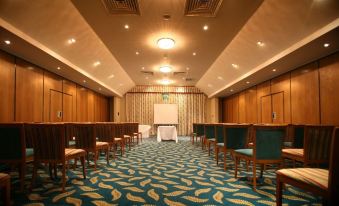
271,144
55,144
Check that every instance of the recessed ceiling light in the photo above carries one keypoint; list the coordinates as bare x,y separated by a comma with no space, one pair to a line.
165,69
260,43
126,26
84,81
187,68
194,53
7,42
166,43
97,63
235,66
71,41
210,85
231,90
165,81
110,76
274,70
99,89
58,68
183,78
146,77
137,53
248,82
121,84
205,27
326,45
220,78
143,68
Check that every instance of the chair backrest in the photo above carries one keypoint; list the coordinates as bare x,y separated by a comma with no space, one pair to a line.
70,133
333,180
268,141
210,131
219,130
317,143
236,135
12,137
200,129
103,132
195,128
298,136
86,138
48,141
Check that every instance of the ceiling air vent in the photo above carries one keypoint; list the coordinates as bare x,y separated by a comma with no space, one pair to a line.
179,73
206,8
148,73
118,7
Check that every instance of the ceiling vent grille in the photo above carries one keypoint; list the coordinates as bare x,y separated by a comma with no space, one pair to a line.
121,7
206,8
148,73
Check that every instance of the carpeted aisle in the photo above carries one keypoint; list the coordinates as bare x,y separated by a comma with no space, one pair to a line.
163,173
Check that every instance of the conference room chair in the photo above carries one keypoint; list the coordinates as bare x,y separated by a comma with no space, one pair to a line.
117,139
70,134
13,151
200,133
267,147
5,186
49,148
321,182
235,137
124,133
194,134
316,146
86,140
209,138
295,136
137,136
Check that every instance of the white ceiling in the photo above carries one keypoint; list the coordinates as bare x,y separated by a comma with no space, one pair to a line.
287,27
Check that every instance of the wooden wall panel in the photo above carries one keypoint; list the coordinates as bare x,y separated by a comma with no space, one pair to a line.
29,92
7,82
224,110
81,105
251,105
69,100
235,108
263,89
52,83
329,86
283,84
90,107
305,95
242,108
101,108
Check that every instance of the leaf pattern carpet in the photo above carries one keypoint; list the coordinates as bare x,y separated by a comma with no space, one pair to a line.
153,173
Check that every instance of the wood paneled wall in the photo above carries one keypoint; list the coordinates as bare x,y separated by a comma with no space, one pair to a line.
306,95
31,94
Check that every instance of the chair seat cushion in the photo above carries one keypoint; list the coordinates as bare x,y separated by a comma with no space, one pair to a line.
288,144
70,152
211,139
117,139
29,152
220,144
247,152
294,152
312,176
250,144
71,143
101,144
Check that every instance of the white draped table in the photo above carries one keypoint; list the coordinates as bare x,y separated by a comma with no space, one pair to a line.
167,133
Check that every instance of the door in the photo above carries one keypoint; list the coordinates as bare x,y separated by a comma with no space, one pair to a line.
55,109
68,108
278,108
266,109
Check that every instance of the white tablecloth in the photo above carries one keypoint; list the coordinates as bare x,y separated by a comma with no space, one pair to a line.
167,133
145,129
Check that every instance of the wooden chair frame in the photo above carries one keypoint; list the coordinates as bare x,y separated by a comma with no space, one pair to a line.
5,184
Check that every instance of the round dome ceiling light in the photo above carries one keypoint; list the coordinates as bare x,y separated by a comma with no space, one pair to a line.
166,43
165,69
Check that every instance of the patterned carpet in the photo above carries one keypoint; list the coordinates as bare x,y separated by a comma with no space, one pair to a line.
163,173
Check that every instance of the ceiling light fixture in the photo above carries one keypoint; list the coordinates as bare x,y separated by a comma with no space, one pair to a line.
121,84
187,68
71,41
165,81
274,70
326,45
97,63
165,69
248,82
235,66
7,42
58,68
220,78
231,90
205,27
166,43
143,68
194,53
99,89
111,76
210,85
260,43
126,26
84,81
137,53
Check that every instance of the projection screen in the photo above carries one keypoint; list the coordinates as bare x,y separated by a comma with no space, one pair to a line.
165,114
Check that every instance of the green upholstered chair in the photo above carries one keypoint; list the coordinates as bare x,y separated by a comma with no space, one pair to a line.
295,136
316,144
49,148
118,140
210,134
13,149
234,137
320,182
201,133
267,145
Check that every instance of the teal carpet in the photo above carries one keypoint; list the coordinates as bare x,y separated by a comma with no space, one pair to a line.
163,173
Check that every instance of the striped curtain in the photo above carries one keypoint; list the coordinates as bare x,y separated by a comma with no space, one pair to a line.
191,104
